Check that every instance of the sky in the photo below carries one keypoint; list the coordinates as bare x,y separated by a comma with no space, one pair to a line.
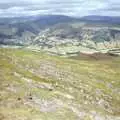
75,8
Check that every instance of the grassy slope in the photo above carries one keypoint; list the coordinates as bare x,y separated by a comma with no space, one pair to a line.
37,86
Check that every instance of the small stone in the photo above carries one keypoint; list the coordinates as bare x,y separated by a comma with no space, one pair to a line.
7,85
81,90
30,98
97,99
19,99
85,102
50,89
56,85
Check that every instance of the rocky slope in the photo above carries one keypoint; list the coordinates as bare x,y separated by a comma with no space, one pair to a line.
22,30
78,37
37,86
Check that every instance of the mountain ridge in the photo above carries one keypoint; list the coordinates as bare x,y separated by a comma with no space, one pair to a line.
26,31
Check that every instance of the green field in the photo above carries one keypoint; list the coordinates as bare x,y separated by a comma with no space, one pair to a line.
38,86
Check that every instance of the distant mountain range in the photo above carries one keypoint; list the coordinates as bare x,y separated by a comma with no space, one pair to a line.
59,18
22,30
104,19
52,31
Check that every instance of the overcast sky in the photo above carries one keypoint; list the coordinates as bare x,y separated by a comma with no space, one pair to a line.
77,8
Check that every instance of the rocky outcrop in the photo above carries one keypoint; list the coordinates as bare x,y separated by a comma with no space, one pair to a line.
64,35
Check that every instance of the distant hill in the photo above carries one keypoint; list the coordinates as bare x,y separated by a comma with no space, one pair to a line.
62,34
73,37
22,30
101,19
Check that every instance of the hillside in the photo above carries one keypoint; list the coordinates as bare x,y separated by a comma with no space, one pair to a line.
22,30
35,85
61,34
74,37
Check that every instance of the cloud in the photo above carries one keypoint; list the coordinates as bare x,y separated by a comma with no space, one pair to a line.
75,8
